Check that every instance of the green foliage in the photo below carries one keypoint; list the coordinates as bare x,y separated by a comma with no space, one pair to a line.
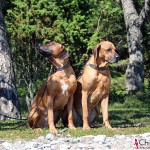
119,98
79,26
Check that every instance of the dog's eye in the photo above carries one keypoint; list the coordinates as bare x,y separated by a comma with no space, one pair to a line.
109,50
51,43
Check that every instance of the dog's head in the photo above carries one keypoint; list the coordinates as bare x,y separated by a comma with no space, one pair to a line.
54,50
105,51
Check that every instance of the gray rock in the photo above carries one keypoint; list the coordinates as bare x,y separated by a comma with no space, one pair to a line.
31,145
65,146
65,139
99,142
56,142
81,145
77,140
146,135
50,136
7,145
46,146
41,138
99,138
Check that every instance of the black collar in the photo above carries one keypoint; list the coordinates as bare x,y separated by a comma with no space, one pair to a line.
63,67
97,67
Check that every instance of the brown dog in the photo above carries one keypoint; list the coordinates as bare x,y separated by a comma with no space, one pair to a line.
93,87
47,106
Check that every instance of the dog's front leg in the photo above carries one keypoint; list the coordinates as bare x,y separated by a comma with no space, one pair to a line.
85,111
70,113
104,106
51,115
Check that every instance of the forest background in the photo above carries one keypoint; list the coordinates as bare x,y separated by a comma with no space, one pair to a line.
79,26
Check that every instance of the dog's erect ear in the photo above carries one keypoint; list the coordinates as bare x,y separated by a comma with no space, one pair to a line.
45,52
96,51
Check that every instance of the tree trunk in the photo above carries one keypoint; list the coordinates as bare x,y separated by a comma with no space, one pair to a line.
9,104
135,69
29,94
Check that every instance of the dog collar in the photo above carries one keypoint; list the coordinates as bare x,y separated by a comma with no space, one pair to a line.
97,67
63,68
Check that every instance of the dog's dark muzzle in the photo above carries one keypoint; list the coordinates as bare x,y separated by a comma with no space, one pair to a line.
114,59
44,51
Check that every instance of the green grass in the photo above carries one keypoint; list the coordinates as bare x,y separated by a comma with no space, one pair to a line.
130,114
110,133
125,120
25,133
13,132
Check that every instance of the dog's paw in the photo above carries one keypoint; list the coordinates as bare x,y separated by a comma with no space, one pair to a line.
86,127
53,130
113,129
107,125
38,129
71,126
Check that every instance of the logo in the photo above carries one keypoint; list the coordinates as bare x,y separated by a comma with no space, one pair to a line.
136,143
142,143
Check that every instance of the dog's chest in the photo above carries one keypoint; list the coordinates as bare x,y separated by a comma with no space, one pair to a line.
68,85
101,89
64,88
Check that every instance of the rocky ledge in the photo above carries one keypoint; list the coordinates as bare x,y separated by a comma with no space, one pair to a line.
90,142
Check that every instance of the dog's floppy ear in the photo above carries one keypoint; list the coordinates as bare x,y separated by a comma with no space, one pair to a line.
45,52
96,51
64,54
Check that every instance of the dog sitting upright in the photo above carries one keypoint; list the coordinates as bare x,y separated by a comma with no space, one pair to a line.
93,87
59,88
